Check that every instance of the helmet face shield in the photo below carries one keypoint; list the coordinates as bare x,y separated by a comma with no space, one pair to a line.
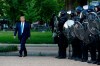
69,12
79,9
95,3
85,7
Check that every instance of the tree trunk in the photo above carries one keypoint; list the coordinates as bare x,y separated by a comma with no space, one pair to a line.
82,2
69,4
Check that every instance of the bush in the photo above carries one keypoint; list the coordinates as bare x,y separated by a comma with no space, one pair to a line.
8,48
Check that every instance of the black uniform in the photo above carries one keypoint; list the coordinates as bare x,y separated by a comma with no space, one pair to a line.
98,48
76,49
76,44
62,44
62,40
98,42
52,25
91,46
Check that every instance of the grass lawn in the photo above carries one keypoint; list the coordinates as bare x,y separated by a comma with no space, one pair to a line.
36,38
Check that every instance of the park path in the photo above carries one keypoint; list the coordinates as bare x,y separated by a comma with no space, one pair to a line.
39,61
35,50
38,55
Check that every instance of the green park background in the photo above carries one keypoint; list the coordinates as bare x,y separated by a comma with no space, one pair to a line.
36,38
34,10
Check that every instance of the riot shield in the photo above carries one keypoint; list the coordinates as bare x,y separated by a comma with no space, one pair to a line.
68,29
79,30
93,23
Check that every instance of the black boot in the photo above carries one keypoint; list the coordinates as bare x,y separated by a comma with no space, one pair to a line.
20,53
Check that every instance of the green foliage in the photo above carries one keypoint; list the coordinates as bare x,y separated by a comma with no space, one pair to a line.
8,48
34,10
36,38
61,4
41,10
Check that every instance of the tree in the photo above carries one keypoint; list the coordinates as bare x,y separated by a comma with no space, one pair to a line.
41,10
61,4
34,10
2,6
71,4
12,10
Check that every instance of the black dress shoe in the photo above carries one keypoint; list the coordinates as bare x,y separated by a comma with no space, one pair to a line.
57,56
98,63
83,60
77,59
91,61
95,62
71,58
20,55
61,57
24,55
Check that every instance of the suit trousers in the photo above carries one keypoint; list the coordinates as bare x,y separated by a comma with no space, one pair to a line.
22,45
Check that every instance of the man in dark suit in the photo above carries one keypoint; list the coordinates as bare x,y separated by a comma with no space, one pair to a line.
23,29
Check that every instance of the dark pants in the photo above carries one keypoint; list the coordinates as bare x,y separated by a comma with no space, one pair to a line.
98,48
92,48
93,52
56,39
76,48
62,44
85,52
22,46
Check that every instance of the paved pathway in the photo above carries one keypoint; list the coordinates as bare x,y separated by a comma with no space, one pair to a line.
38,55
39,61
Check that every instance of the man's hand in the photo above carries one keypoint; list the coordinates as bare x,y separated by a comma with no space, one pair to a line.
14,37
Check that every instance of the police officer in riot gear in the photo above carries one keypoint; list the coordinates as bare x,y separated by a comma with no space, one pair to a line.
97,10
71,38
62,40
53,26
91,46
98,42
76,43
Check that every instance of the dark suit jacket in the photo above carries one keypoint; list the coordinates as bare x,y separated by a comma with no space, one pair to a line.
26,31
